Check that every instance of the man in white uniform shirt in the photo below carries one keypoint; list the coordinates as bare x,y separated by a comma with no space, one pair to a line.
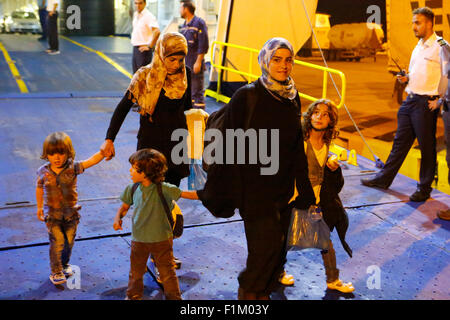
52,26
416,117
144,36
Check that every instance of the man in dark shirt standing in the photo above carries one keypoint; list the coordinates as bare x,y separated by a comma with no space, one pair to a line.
196,33
43,13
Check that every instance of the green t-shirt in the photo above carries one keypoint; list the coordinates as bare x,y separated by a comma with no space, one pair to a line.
149,221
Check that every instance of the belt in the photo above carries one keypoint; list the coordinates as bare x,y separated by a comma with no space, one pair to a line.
415,95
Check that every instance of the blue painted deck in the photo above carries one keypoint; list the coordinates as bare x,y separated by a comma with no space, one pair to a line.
404,240
74,70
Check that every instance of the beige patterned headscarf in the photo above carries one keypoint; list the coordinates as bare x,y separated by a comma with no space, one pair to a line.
148,81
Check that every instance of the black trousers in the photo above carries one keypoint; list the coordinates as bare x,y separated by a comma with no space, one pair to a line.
43,13
266,228
141,59
414,120
52,31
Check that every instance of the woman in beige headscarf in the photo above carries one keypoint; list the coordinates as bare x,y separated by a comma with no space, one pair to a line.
161,93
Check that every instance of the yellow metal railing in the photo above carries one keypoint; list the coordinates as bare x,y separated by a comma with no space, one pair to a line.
250,75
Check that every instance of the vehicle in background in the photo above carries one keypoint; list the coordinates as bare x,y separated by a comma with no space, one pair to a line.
354,41
2,24
350,41
22,21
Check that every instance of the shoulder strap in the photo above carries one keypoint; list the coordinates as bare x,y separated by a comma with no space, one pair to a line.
133,189
251,103
165,205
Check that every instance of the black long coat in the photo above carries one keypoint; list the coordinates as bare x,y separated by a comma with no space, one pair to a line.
238,186
333,211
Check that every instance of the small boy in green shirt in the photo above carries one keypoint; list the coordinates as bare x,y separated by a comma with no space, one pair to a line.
151,229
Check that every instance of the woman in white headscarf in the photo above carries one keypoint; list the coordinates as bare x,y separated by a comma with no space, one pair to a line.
263,200
161,93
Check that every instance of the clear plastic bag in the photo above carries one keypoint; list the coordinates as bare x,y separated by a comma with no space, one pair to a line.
308,230
197,176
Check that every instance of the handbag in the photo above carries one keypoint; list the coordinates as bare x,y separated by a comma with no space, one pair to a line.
308,230
175,216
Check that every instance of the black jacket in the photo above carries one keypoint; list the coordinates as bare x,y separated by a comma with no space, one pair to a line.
167,117
333,211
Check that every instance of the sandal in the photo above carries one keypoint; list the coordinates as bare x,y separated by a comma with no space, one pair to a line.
286,279
58,278
341,286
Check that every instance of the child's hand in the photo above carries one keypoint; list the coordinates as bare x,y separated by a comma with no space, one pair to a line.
107,149
333,163
117,224
40,214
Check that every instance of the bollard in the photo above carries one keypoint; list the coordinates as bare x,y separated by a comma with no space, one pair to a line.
352,158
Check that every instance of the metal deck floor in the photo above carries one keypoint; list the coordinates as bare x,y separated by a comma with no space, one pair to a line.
405,241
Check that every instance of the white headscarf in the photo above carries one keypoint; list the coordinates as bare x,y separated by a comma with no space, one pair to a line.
284,89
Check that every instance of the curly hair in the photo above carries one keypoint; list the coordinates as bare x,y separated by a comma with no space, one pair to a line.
332,131
150,161
58,142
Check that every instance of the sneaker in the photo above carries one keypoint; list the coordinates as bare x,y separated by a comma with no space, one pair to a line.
341,286
68,272
53,52
419,196
177,263
48,50
286,279
373,183
58,278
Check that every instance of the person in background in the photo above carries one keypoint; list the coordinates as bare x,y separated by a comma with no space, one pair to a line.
417,118
42,4
445,103
144,35
52,26
196,33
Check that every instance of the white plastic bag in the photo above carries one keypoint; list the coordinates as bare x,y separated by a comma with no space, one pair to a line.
197,176
308,230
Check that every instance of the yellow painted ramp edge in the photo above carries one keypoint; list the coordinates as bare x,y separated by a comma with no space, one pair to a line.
101,55
22,86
